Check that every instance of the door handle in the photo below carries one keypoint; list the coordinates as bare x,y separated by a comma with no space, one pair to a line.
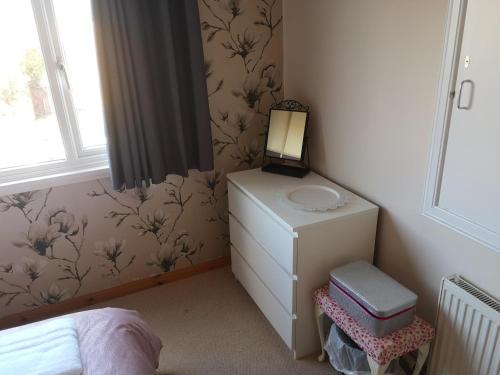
459,100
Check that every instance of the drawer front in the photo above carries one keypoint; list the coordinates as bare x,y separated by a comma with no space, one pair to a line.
281,284
279,243
282,322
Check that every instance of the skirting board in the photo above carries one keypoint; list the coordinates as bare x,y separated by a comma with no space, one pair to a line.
67,306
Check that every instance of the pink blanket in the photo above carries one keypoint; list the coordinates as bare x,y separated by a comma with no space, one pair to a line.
116,341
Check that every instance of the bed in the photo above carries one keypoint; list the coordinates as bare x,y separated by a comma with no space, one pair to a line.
110,341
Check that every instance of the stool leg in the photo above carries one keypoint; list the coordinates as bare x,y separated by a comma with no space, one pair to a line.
375,368
320,323
423,351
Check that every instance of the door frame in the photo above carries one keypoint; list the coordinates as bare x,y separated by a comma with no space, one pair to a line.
445,100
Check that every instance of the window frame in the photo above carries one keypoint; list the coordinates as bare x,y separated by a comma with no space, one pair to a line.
81,163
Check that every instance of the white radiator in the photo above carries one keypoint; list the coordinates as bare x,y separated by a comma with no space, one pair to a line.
468,328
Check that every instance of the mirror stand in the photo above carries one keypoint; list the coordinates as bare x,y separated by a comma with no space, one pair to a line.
288,168
286,150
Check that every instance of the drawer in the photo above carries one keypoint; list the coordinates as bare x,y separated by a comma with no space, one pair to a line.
282,322
278,242
280,283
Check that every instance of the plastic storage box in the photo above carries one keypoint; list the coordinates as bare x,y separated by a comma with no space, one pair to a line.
373,299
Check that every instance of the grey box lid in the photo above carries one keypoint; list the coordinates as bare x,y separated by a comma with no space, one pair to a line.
376,291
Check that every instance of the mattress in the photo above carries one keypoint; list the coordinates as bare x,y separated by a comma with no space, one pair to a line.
38,349
113,341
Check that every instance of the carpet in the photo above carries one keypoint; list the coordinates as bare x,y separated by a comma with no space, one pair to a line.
209,325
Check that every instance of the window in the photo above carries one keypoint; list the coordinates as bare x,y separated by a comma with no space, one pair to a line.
51,118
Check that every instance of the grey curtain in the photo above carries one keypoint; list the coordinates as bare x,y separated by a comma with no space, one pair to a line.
151,65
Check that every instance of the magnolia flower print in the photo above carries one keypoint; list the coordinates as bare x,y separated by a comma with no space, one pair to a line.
43,232
208,73
161,225
184,244
19,201
252,90
164,259
40,238
32,268
6,267
112,250
272,78
152,223
184,247
247,155
237,124
261,82
127,210
65,221
242,46
212,196
25,203
233,7
240,121
141,194
211,180
53,295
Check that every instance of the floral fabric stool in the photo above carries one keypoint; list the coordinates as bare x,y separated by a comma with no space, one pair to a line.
380,350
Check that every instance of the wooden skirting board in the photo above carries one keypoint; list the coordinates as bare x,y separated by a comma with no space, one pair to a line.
66,306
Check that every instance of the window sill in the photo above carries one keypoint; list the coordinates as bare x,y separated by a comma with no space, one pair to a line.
46,181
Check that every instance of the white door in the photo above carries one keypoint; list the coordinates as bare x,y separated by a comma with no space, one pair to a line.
470,184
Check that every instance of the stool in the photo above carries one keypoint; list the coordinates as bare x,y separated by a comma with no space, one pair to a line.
380,350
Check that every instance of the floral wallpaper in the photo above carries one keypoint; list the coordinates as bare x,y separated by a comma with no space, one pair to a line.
70,240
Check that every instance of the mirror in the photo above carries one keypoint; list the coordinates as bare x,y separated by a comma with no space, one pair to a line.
285,136
286,140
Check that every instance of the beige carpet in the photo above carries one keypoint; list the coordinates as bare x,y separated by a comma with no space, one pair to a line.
209,325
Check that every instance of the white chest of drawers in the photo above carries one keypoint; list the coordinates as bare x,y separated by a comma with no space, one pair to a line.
281,255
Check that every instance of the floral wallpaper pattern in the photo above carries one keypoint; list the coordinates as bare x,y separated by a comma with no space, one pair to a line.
70,240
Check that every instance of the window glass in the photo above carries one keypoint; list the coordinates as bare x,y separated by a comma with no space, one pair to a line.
76,33
29,129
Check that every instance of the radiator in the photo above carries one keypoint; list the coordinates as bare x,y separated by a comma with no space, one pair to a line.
467,338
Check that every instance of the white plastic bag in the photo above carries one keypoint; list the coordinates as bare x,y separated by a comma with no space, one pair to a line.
346,357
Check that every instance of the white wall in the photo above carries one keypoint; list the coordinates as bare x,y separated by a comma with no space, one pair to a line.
370,70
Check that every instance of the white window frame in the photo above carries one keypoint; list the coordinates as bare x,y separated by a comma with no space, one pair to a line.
453,39
80,164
